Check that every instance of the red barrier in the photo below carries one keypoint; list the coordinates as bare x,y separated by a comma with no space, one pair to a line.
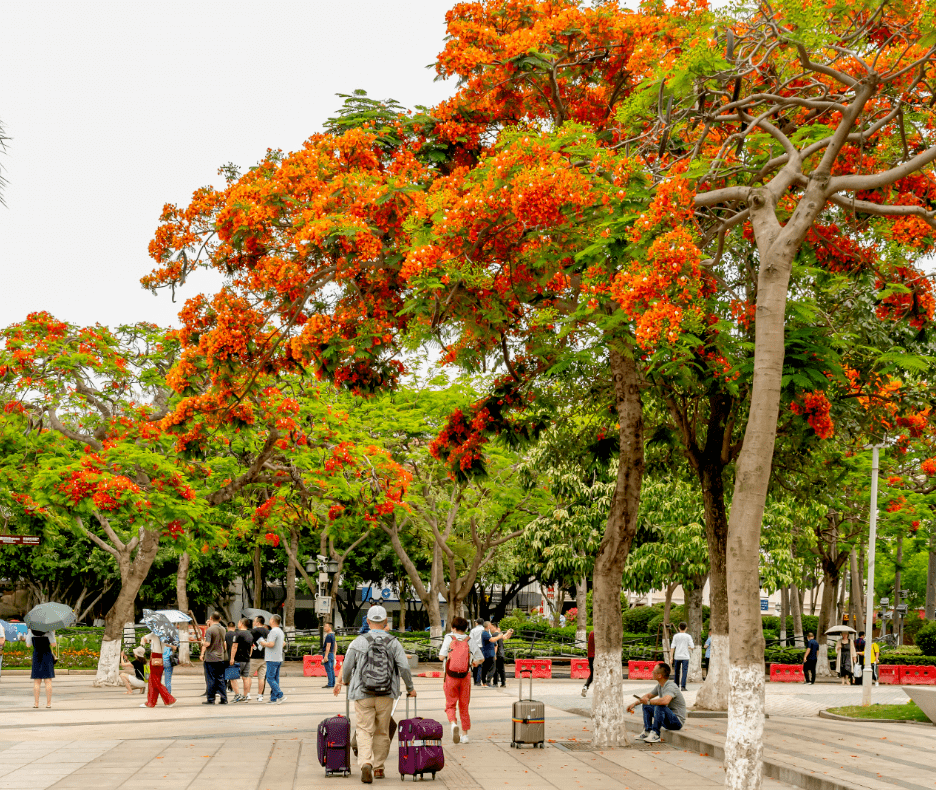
888,675
523,665
641,670
542,667
917,676
339,660
580,669
312,667
786,673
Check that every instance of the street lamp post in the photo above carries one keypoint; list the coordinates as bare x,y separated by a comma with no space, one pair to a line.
868,672
326,568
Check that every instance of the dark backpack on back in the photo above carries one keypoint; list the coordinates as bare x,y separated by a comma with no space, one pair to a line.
378,667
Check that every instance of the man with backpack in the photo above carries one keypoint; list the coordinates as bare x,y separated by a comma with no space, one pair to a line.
459,657
373,666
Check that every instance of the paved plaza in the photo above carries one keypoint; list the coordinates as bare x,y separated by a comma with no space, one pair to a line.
101,738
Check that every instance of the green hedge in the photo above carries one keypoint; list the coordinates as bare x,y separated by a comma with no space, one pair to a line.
925,639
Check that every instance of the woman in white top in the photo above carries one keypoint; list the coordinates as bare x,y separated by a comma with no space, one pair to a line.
156,689
457,686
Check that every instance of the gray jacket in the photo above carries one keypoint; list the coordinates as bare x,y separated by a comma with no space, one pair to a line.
354,658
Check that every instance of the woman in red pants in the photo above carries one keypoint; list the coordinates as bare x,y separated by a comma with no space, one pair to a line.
458,661
156,689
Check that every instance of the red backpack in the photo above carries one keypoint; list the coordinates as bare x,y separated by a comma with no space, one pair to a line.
459,658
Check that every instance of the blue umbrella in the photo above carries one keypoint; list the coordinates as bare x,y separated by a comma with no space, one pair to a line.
159,624
10,631
49,617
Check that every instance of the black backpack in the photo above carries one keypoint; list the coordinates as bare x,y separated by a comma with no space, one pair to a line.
378,668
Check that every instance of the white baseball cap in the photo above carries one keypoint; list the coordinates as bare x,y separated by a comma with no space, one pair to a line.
376,614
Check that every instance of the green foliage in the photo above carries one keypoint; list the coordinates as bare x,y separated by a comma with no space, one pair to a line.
637,620
926,639
678,614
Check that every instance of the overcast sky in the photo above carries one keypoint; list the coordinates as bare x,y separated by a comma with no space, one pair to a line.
115,108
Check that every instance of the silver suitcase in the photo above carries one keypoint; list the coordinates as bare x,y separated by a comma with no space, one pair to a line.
529,720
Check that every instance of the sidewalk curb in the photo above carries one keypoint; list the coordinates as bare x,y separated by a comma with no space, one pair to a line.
693,742
824,714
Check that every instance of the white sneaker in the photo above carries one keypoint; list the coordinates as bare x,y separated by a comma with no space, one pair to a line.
584,691
642,735
281,700
464,738
456,734
653,737
259,697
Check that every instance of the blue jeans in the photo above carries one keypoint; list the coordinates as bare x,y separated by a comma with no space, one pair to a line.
330,669
167,676
683,664
657,716
272,679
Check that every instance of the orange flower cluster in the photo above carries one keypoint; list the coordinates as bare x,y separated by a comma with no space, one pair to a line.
913,302
816,409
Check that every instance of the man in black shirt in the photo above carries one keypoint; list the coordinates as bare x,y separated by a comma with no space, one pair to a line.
809,660
257,660
240,651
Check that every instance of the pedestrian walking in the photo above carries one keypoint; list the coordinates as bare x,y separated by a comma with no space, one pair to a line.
495,640
213,656
257,657
844,654
169,660
241,647
488,650
155,688
373,666
809,659
43,663
135,679
708,652
474,638
682,644
458,659
875,654
273,656
228,642
500,655
328,654
590,652
663,707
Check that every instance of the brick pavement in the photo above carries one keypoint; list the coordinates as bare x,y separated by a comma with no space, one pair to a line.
100,738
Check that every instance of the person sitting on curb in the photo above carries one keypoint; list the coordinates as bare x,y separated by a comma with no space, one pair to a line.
663,707
137,680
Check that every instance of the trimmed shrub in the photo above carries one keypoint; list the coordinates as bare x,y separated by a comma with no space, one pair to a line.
926,639
637,620
677,615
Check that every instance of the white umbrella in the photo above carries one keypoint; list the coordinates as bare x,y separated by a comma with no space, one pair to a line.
174,615
841,629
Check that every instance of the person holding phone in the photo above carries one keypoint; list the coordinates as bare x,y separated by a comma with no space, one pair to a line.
663,708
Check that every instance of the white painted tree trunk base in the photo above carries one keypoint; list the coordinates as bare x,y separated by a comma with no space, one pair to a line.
695,664
823,668
608,707
581,638
108,670
715,690
744,740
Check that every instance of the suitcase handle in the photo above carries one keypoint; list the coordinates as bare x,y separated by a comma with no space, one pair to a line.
415,707
520,689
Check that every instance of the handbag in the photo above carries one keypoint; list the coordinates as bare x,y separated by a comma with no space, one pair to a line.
173,660
232,672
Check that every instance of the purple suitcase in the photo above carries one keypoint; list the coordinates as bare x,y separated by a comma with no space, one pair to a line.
334,745
420,745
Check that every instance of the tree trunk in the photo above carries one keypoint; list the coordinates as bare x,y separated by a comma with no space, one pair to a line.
898,572
181,582
855,615
289,606
694,619
930,576
826,608
667,625
797,601
784,613
257,579
714,692
581,617
744,741
134,567
401,586
842,589
608,708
